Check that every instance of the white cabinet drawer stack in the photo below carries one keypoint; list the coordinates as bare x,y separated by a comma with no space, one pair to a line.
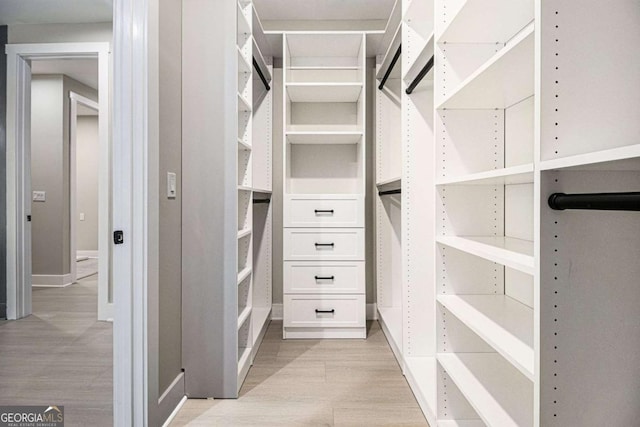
324,186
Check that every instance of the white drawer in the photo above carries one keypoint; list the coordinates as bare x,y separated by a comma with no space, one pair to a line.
331,244
322,277
303,311
319,211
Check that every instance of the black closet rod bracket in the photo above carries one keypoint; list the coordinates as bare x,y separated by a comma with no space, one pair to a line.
596,201
261,75
425,70
261,200
389,192
396,56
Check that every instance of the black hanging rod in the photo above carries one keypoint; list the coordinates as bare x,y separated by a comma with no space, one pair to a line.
264,80
595,201
396,56
425,70
388,192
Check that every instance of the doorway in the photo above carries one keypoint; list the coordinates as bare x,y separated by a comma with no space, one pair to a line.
20,59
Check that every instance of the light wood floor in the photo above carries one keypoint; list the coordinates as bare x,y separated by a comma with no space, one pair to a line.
315,383
60,355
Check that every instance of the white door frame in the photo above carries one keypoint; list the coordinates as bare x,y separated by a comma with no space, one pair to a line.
74,100
131,111
18,201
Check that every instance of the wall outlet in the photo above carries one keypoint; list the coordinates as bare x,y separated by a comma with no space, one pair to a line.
171,185
39,196
81,216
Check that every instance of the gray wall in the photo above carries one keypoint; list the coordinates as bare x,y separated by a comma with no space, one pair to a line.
87,164
170,250
277,198
50,121
3,190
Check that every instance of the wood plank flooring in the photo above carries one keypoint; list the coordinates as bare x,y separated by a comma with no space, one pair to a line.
315,383
60,355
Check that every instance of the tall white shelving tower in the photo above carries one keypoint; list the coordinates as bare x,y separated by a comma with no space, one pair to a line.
530,99
324,185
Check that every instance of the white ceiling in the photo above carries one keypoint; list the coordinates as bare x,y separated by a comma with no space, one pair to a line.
55,11
318,10
83,70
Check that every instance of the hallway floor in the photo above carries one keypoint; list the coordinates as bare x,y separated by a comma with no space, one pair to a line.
60,355
315,383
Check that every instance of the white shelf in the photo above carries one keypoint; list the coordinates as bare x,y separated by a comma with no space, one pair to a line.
390,184
258,33
244,188
522,174
244,363
244,27
259,316
612,159
391,320
394,21
324,128
501,19
421,60
504,80
324,67
243,274
324,137
262,64
389,54
324,92
499,394
244,233
243,145
243,65
243,316
504,323
422,375
243,105
508,251
461,423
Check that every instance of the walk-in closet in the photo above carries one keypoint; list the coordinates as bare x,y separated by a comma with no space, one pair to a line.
461,174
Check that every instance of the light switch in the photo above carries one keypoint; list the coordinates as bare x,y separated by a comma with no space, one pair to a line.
39,196
81,216
171,185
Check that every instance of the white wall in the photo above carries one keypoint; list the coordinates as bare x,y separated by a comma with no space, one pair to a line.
87,163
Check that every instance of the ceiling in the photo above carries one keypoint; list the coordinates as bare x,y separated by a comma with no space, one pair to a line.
319,10
83,70
55,11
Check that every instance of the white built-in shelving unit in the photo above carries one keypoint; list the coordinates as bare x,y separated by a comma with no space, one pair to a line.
517,313
324,185
229,293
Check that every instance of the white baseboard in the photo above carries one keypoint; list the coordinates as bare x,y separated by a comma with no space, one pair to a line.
172,399
51,281
372,311
276,312
90,254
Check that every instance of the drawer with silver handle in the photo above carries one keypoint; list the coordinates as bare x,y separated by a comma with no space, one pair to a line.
322,277
323,211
